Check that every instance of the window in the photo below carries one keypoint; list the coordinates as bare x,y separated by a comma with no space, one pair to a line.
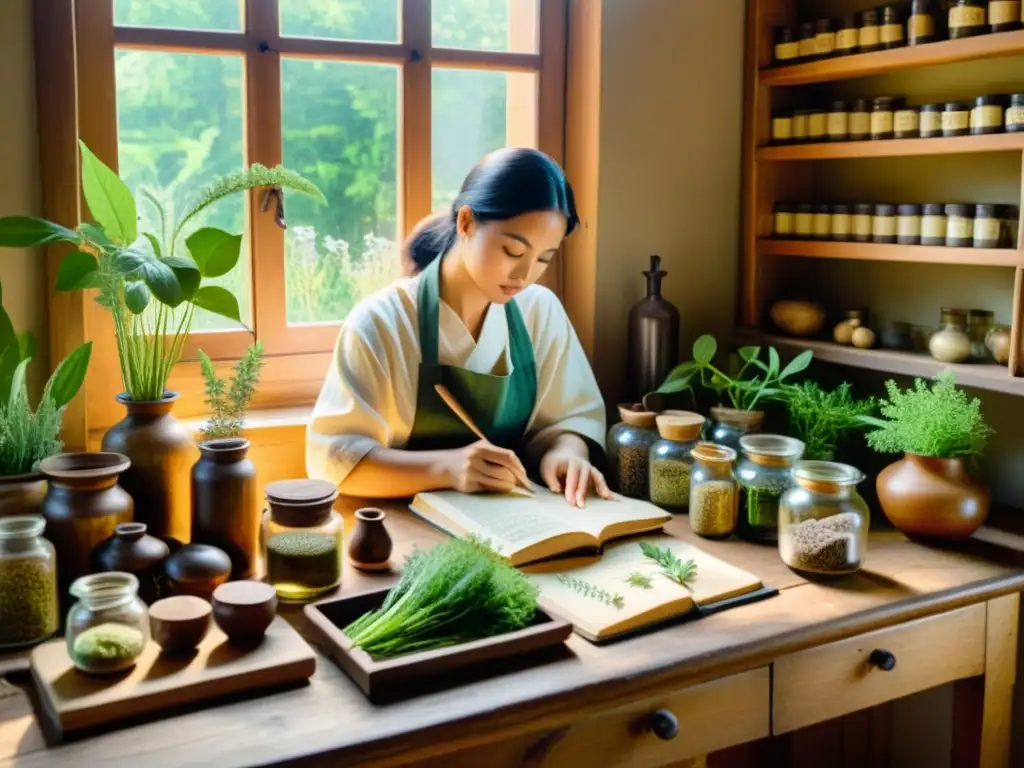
384,104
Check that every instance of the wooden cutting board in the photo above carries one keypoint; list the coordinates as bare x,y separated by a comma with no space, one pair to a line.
71,700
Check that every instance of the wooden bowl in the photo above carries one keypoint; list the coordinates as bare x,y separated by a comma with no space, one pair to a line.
244,609
179,624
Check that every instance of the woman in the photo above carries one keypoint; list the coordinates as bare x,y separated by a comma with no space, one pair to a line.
474,319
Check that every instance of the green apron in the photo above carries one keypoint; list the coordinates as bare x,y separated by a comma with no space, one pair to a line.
500,405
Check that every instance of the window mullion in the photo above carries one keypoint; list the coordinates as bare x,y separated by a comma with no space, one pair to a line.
414,174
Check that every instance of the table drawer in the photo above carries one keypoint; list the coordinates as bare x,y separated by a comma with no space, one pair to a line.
835,679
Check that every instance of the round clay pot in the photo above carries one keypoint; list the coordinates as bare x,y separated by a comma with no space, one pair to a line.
132,551
226,503
22,494
798,318
997,340
244,609
179,624
929,498
197,569
369,547
161,450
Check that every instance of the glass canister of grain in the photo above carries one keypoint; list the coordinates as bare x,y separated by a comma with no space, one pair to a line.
950,343
628,446
1014,117
824,39
838,122
967,18
670,461
714,493
821,226
302,539
841,221
1004,15
782,127
988,226
808,41
823,521
933,224
908,224
979,323
906,123
108,628
787,46
987,115
863,216
884,224
956,119
28,583
959,225
921,24
869,36
860,120
930,120
803,221
817,125
764,473
846,36
782,220
890,32
882,117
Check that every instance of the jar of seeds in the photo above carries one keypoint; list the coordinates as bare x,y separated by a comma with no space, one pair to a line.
671,462
28,583
764,474
108,628
628,447
714,495
823,521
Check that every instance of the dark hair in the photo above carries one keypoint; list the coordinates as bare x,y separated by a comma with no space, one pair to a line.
505,184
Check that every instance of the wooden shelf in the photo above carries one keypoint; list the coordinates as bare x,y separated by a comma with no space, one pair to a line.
983,376
841,150
864,64
919,254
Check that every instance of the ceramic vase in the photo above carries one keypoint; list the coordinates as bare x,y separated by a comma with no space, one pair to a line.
369,547
22,494
132,551
226,504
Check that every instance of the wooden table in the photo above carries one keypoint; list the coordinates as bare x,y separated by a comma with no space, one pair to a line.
946,615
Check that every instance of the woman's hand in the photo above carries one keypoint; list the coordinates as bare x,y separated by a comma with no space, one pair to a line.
566,468
484,467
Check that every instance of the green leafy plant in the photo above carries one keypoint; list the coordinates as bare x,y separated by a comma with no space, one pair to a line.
151,292
28,436
680,571
590,590
756,380
228,400
938,421
639,580
821,418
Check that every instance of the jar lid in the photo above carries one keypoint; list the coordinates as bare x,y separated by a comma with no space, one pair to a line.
785,34
823,208
827,472
958,106
869,18
838,106
841,208
804,112
302,491
991,100
953,312
934,209
884,209
909,209
883,103
862,105
957,209
920,6
864,208
1017,100
986,315
771,446
932,107
807,29
984,211
804,208
22,526
779,207
823,25
636,415
681,425
849,21
713,453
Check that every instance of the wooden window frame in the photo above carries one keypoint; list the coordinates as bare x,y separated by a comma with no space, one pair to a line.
80,89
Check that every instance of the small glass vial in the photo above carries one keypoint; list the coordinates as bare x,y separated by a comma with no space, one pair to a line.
956,118
821,226
987,115
714,493
930,120
921,24
817,125
950,343
764,474
846,37
860,120
908,225
884,224
787,46
838,122
842,222
108,628
801,119
783,223
979,323
628,449
882,117
863,219
1004,15
906,123
782,128
670,461
28,583
823,521
891,30
959,226
803,221
808,41
824,39
933,224
988,226
1014,119
869,36
967,18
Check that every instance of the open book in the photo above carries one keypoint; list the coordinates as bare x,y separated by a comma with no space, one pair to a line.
569,587
529,529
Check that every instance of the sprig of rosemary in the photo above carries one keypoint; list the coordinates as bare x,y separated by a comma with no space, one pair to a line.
594,592
680,571
639,580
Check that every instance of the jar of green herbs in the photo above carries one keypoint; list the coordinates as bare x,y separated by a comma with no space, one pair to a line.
28,582
108,628
670,460
764,473
628,448
713,491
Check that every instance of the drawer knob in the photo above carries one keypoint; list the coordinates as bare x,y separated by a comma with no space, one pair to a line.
664,724
882,659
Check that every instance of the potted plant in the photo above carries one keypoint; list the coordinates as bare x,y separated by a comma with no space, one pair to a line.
225,497
27,435
929,493
152,294
820,418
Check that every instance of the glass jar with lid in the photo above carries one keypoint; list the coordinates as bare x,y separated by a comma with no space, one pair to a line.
959,225
728,425
838,122
846,35
1004,15
821,224
950,343
921,24
967,18
783,225
28,583
824,38
869,37
108,628
808,41
803,221
714,493
891,30
860,120
823,521
988,226
863,222
764,474
628,448
933,224
929,120
670,461
787,46
302,539
987,114
782,127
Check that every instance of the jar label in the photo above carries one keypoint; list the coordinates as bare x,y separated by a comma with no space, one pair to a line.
807,48
802,223
881,122
846,39
860,123
966,16
824,43
987,229
838,123
817,126
892,33
783,223
1014,116
933,226
959,228
822,224
862,224
867,37
921,25
782,128
956,121
841,224
931,122
988,116
800,126
1003,11
787,51
883,226
908,226
905,120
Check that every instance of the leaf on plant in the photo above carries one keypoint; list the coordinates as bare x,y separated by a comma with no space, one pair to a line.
136,297
162,281
29,232
749,354
109,199
678,384
18,386
218,300
681,369
8,337
78,271
214,250
773,362
153,242
67,379
94,233
187,273
704,349
797,364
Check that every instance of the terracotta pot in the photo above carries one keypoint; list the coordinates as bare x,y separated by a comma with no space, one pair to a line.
369,547
161,451
932,498
132,551
197,569
83,506
22,494
226,503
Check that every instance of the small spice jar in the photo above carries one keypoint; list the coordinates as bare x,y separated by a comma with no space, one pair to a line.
846,36
107,629
782,128
842,222
959,226
921,24
869,37
1004,15
821,225
28,583
882,117
906,123
967,18
956,118
930,120
803,221
670,461
860,120
800,124
782,215
933,224
823,521
1010,214
817,125
988,226
824,39
979,323
891,29
908,225
884,224
863,215
808,41
714,494
838,122
764,473
950,343
1014,118
987,115
787,46
629,442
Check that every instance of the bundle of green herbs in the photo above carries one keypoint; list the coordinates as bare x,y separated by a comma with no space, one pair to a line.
457,592
229,399
823,418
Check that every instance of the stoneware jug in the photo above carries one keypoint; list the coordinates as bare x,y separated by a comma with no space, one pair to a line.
131,550
369,547
226,504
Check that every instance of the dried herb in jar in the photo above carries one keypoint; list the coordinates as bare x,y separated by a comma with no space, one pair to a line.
713,508
670,484
28,601
829,545
309,559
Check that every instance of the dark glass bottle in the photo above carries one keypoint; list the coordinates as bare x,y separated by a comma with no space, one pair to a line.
653,336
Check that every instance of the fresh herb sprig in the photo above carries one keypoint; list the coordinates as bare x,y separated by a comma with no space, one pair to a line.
229,399
821,418
594,592
680,571
639,580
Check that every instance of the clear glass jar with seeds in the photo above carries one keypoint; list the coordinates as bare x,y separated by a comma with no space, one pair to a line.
108,628
671,463
628,449
823,521
714,494
764,473
28,583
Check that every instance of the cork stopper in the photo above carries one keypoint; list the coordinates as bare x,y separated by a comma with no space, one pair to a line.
636,415
680,425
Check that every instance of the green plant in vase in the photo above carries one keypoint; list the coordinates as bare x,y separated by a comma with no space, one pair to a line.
820,418
229,399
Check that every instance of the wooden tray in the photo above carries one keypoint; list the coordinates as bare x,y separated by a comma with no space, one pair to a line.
403,675
72,701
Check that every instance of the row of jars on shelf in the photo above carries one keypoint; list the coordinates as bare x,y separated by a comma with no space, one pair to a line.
811,508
